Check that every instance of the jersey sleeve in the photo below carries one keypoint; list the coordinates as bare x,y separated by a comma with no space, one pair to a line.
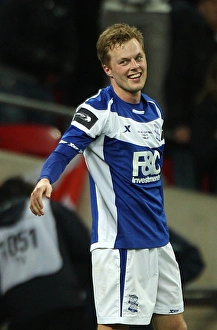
87,124
73,141
54,166
92,120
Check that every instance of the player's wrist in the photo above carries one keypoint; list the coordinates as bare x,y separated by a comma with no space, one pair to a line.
44,180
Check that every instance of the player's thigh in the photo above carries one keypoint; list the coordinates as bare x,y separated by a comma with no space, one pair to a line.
169,322
112,327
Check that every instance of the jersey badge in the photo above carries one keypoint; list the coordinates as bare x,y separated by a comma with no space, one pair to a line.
85,117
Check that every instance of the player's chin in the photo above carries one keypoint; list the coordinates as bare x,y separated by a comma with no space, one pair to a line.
137,87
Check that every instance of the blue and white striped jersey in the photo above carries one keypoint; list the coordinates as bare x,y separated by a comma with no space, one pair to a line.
123,147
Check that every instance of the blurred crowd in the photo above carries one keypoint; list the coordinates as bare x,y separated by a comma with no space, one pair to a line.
47,53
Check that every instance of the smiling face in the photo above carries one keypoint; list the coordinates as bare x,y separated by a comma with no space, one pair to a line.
127,70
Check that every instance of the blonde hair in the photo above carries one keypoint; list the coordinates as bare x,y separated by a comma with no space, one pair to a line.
118,33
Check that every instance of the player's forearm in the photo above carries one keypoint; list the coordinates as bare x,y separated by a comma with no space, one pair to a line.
55,165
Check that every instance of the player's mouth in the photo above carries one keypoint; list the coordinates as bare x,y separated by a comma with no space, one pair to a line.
135,75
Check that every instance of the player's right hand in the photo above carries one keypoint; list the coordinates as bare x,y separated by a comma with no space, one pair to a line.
43,188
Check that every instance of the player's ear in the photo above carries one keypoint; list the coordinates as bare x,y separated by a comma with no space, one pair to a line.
107,70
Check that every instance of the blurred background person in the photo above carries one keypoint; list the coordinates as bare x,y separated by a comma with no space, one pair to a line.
43,54
204,132
35,53
193,43
44,265
82,84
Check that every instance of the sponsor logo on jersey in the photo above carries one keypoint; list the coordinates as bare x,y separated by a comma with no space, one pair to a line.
85,117
145,166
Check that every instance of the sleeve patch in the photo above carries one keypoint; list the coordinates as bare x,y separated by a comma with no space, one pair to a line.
85,118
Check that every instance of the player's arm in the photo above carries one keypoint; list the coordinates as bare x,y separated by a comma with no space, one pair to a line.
74,141
51,171
79,135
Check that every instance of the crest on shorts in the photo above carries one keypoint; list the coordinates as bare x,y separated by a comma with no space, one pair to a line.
133,303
